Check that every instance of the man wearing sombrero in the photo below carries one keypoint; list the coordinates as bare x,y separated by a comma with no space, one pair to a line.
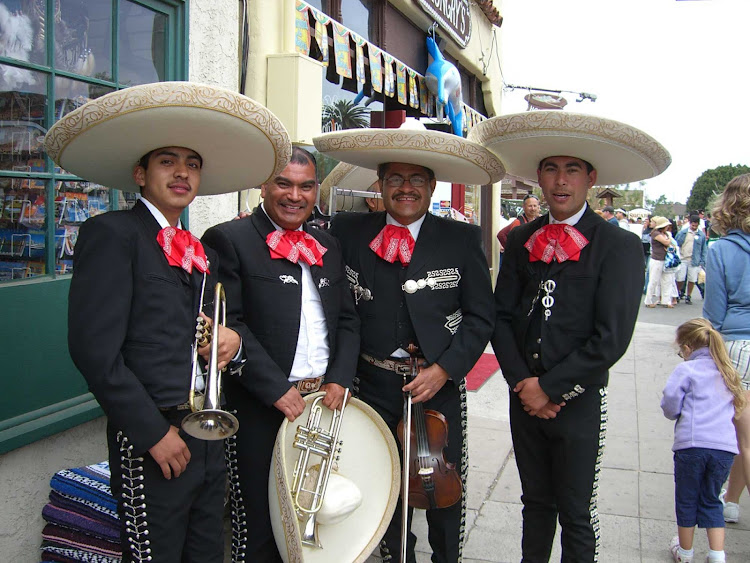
567,299
417,279
137,281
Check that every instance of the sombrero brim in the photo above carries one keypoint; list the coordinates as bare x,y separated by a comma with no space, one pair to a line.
452,158
241,142
619,152
348,177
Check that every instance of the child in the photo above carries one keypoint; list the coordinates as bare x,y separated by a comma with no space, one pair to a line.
702,395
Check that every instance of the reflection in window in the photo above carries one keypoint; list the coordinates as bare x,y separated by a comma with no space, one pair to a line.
83,38
142,37
71,94
355,15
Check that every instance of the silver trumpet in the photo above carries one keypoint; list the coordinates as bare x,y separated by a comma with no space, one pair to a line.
320,451
208,421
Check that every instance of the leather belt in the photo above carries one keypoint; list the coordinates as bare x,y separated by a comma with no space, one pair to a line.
307,386
397,366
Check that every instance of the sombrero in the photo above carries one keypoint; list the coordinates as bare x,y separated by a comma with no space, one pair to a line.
349,177
452,158
620,153
241,142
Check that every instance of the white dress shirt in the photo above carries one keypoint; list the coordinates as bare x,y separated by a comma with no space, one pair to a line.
312,352
572,220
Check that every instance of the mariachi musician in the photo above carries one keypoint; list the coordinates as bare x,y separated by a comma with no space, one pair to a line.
288,299
422,280
136,289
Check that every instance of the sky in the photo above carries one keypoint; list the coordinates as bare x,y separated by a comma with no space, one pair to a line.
675,69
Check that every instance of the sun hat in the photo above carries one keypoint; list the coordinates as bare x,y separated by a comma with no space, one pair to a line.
660,222
620,153
621,210
348,177
452,158
241,142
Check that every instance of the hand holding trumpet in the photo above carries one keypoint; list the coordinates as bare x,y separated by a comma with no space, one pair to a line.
229,340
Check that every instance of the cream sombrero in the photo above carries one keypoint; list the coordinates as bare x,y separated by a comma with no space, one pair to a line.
452,158
620,153
241,142
349,177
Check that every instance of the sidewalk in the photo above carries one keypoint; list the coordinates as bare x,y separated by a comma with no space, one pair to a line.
636,506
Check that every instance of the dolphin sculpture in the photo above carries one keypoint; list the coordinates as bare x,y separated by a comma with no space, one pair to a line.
443,80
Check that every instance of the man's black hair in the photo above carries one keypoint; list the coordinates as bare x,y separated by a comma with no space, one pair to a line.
384,166
695,219
143,161
304,157
589,166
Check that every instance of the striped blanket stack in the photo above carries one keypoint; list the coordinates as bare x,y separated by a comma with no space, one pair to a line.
81,516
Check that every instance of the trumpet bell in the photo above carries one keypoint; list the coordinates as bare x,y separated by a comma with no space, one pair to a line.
210,424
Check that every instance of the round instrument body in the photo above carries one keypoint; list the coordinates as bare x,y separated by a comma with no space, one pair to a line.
433,481
369,458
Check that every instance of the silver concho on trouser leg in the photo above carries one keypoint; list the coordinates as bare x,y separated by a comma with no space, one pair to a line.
239,516
604,416
464,468
133,502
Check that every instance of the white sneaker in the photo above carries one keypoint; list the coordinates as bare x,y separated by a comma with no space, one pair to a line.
674,548
731,509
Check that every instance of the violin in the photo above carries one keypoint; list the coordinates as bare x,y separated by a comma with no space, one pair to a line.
433,482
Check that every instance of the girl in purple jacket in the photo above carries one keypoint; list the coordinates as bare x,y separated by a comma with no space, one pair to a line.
702,395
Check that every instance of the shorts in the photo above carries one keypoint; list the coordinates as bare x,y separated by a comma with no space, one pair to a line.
739,353
687,272
699,474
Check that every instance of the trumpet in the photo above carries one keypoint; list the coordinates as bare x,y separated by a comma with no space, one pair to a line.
311,481
208,421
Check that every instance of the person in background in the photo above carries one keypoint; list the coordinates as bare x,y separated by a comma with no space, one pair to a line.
672,273
703,396
659,288
693,247
531,209
608,212
622,219
646,242
727,306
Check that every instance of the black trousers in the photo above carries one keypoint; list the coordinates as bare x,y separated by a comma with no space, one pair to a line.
381,389
558,462
249,455
179,520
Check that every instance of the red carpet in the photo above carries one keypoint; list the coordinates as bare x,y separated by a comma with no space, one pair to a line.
481,372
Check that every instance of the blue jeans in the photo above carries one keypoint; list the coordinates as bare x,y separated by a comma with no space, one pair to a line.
699,474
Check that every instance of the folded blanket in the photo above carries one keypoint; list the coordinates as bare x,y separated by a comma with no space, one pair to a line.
66,555
84,507
90,483
69,538
71,519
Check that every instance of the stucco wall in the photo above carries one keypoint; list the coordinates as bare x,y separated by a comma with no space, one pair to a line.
24,481
214,59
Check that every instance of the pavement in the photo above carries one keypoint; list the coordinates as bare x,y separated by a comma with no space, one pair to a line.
636,502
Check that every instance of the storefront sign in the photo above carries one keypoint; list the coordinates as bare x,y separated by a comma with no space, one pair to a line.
453,16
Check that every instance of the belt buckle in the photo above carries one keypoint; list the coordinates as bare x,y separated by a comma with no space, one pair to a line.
307,386
401,369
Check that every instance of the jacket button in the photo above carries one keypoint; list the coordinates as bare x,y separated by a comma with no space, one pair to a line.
535,356
538,340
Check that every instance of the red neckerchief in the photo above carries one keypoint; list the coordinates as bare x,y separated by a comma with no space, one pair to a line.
393,243
559,241
182,249
296,245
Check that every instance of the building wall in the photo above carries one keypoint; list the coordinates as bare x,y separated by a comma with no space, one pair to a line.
25,473
214,59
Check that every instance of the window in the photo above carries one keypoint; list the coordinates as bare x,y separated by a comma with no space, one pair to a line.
56,55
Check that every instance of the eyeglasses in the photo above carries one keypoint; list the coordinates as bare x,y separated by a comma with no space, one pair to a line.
396,181
679,353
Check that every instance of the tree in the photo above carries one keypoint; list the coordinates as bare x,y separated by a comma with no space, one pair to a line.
710,182
344,114
661,206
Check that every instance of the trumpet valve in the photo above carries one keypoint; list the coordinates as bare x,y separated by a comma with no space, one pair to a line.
202,332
